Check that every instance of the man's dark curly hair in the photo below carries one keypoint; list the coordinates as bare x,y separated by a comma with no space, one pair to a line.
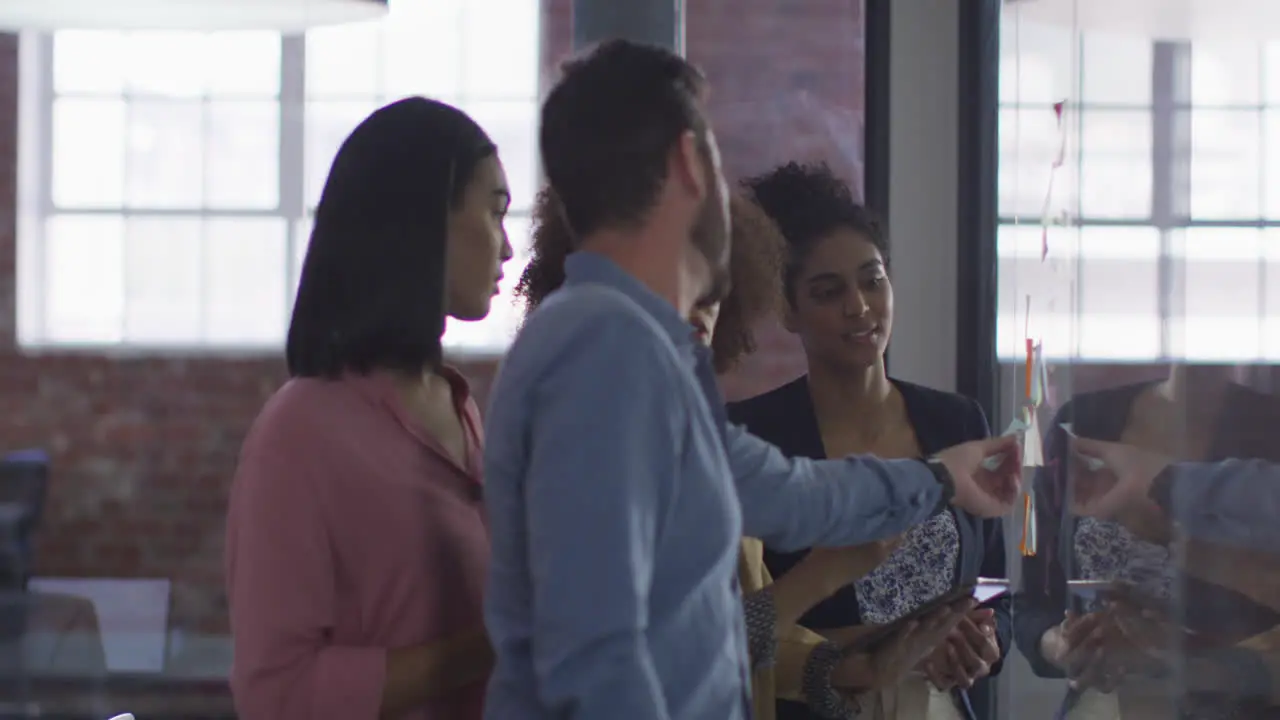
808,203
755,265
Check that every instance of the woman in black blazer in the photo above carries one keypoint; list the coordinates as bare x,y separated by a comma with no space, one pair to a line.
840,304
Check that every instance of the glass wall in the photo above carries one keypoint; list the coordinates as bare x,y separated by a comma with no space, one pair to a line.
1138,284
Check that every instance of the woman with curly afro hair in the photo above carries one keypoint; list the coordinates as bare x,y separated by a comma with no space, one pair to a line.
838,300
785,656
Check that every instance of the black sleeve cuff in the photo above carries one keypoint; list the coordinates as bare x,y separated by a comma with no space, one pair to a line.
762,625
822,698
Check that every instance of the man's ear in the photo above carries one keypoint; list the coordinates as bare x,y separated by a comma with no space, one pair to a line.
688,167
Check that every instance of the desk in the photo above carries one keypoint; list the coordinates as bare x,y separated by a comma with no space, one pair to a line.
147,696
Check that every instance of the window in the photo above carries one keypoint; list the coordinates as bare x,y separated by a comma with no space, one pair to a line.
1159,221
168,179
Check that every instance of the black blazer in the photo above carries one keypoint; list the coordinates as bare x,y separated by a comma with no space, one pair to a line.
785,417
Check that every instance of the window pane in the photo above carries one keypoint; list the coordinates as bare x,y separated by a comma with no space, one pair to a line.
1225,73
162,280
513,126
1030,141
1270,307
1226,160
88,61
1116,69
327,125
243,151
343,60
165,164
245,271
1119,294
169,64
1271,163
1115,164
1216,295
422,49
493,334
1037,62
301,241
88,153
243,63
1036,298
501,56
1271,72
83,279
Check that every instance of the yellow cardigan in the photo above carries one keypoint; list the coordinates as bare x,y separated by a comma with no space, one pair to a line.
785,678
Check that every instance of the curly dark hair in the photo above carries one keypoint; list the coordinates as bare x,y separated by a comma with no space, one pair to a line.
755,265
809,202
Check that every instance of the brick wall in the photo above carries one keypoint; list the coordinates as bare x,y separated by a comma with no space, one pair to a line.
143,448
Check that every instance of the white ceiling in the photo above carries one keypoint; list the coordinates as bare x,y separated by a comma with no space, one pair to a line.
1159,19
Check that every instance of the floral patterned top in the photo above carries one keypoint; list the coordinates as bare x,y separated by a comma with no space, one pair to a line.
1106,551
921,569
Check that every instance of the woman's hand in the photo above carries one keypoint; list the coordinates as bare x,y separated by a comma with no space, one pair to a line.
967,654
861,672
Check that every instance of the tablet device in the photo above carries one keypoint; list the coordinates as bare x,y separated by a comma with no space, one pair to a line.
873,639
1088,590
988,589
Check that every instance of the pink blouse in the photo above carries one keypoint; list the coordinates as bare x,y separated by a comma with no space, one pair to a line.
349,532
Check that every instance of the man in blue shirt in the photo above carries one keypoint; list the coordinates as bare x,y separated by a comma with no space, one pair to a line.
617,492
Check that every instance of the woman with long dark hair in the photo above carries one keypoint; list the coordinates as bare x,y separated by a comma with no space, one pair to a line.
356,543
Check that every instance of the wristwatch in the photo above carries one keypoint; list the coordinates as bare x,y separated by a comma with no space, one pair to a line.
943,476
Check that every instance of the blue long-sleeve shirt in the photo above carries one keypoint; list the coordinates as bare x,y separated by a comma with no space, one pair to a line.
617,494
1232,503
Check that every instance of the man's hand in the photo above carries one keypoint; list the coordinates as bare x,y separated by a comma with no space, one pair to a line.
967,655
979,490
1112,481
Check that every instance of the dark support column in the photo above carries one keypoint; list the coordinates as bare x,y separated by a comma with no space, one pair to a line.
653,22
977,146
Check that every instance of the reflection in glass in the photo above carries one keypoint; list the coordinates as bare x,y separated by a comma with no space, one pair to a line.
1119,294
1225,74
164,166
1037,62
245,275
1030,141
1226,157
1115,69
1115,163
162,280
83,279
88,153
1216,294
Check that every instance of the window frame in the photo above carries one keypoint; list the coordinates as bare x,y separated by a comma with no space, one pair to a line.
35,205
